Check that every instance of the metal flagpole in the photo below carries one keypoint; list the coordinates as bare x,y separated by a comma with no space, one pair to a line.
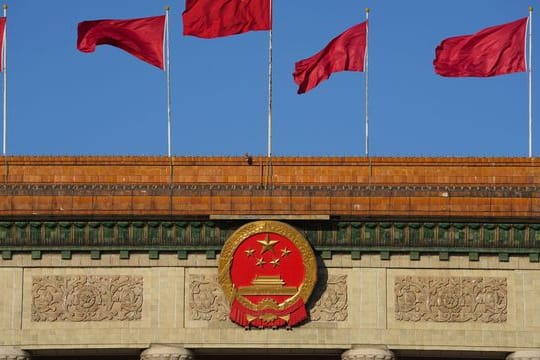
269,153
367,82
530,80
4,70
168,69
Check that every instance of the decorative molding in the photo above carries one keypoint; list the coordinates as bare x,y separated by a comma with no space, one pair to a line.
367,354
13,353
437,236
338,190
161,352
333,303
525,355
87,298
206,299
451,299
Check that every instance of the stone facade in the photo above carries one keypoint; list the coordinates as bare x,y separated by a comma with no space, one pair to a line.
355,304
413,255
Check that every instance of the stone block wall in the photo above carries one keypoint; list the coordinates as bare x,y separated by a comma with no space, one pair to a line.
398,303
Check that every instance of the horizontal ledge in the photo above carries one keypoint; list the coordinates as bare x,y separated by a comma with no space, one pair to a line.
269,217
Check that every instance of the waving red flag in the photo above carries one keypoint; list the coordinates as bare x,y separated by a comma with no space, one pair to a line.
496,50
216,18
2,37
142,38
346,52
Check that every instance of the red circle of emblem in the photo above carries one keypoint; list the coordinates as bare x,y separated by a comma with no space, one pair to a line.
267,270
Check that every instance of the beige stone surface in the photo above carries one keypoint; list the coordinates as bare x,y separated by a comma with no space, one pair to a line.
10,299
528,303
170,301
368,300
167,315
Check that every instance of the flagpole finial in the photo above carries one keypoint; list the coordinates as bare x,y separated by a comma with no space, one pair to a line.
367,10
167,8
4,6
530,8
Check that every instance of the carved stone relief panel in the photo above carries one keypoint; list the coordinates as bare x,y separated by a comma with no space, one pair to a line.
333,304
207,302
87,298
206,299
451,299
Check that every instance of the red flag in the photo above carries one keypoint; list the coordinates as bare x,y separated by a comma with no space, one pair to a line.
2,37
215,18
344,53
496,50
142,38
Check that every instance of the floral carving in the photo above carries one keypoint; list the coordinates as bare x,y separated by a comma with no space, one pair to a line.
332,306
87,298
206,299
451,299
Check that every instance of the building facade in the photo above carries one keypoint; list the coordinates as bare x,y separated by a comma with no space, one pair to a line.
119,257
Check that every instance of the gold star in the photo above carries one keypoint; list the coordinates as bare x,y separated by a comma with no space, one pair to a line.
260,262
285,252
275,262
249,252
267,244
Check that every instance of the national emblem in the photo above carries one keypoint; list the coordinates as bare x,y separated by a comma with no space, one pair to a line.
267,270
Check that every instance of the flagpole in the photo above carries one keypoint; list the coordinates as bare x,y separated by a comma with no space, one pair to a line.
367,82
4,71
269,152
168,70
530,81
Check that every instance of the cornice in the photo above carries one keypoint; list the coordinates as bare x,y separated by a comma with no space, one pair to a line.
354,237
390,190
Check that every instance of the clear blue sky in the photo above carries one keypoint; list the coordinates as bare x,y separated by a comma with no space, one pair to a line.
64,102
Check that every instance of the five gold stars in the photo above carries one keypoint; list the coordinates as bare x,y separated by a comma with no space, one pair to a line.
267,245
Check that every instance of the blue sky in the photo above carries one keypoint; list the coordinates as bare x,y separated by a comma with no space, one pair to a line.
64,102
